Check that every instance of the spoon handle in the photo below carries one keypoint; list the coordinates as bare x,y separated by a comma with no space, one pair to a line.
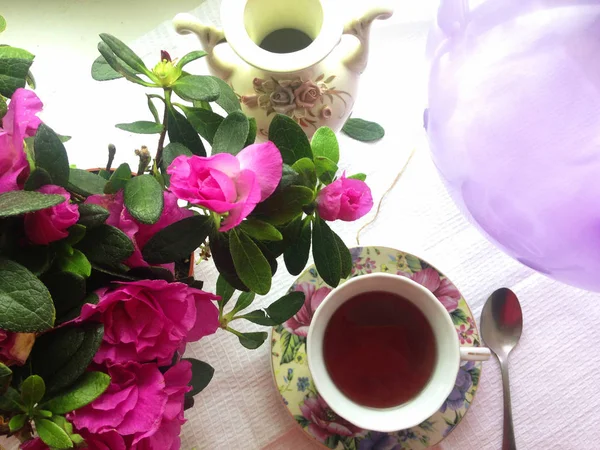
508,437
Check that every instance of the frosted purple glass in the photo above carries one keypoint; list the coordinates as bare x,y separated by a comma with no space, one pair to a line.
514,128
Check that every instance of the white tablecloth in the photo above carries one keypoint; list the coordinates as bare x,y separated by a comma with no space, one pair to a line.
554,370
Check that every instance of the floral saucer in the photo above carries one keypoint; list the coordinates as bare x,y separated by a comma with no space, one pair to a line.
293,379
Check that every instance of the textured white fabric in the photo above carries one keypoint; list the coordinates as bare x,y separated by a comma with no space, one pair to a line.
554,370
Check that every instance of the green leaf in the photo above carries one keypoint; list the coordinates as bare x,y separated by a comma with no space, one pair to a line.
63,355
2,24
16,203
118,179
103,173
307,171
252,132
17,422
296,254
205,122
278,312
413,263
25,303
196,87
181,131
125,53
76,234
32,391
3,107
52,435
285,205
345,256
102,71
36,258
172,151
362,130
76,263
228,100
325,253
290,139
50,154
118,65
106,245
458,317
84,391
153,109
261,231
221,254
358,176
244,300
14,67
202,373
11,401
67,290
178,240
252,340
250,264
85,183
91,215
5,378
144,199
141,127
289,177
326,169
231,135
290,344
192,56
325,143
43,413
287,306
38,178
224,290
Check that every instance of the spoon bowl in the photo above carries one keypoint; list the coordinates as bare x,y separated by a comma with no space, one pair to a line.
502,322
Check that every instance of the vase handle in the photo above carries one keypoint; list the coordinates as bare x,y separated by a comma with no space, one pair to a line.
209,36
361,28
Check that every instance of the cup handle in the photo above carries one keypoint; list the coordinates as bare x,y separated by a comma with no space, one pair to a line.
475,353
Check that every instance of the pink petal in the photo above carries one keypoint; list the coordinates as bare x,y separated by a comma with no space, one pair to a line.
329,201
21,119
207,317
266,162
318,432
428,278
248,191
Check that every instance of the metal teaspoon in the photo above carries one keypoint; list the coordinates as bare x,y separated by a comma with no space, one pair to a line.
501,326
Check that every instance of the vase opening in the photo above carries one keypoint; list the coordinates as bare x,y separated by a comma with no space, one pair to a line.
279,35
283,27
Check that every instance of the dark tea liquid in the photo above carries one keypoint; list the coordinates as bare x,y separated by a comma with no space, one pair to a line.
379,349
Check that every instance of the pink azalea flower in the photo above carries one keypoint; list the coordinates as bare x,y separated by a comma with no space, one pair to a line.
139,233
15,347
224,183
443,289
150,320
313,297
19,122
51,224
142,409
345,199
324,422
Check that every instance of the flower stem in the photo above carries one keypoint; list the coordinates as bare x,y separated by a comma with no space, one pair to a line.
163,133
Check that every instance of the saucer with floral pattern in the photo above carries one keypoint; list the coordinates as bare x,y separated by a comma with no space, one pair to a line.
293,378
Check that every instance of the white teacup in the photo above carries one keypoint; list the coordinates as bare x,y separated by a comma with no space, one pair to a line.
441,383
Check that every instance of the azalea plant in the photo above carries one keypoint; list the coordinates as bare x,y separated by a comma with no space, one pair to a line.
97,295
